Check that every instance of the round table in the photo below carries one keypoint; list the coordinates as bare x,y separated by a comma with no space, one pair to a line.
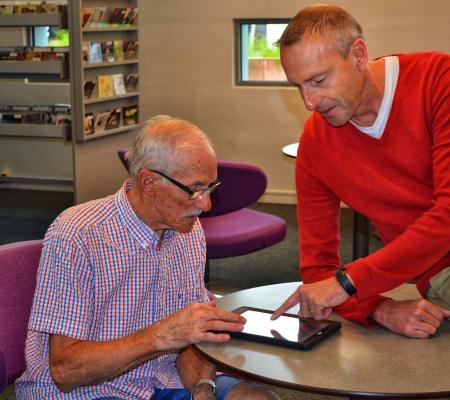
290,150
358,362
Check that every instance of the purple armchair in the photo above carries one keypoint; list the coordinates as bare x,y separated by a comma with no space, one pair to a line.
18,266
230,228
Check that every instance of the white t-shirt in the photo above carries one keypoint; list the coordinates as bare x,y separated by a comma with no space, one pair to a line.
392,68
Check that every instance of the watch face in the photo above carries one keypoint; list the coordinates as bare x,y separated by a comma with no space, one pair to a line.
208,382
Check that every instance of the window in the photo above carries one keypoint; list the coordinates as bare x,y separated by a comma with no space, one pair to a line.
257,55
50,36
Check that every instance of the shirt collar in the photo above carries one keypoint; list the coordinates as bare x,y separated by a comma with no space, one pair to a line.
141,232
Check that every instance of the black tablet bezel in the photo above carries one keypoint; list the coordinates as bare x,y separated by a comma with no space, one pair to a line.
332,326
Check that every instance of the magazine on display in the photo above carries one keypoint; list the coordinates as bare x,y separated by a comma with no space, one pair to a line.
105,86
118,50
113,120
130,115
118,84
100,122
130,49
89,87
88,123
108,51
131,82
95,53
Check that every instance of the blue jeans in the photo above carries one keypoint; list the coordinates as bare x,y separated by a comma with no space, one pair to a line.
224,384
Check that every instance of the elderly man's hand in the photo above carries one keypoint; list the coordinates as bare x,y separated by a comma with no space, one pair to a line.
316,299
196,323
413,318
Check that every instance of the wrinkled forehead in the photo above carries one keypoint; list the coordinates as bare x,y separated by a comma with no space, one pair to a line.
196,161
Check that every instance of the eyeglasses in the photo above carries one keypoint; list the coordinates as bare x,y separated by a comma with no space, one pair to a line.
193,195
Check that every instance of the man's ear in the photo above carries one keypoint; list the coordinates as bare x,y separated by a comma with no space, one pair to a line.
146,181
359,53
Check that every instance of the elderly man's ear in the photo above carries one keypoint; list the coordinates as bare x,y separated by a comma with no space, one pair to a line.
147,181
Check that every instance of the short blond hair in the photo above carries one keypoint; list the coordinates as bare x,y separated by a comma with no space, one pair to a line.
330,22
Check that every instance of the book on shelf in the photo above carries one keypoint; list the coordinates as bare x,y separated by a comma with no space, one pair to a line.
85,52
63,119
118,50
8,56
130,115
7,9
131,16
96,17
88,123
130,49
53,56
105,86
113,119
107,51
131,82
118,16
89,87
118,84
100,121
31,7
31,55
26,9
35,117
95,53
10,118
86,13
48,8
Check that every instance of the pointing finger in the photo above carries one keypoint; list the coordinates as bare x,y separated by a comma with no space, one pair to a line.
290,302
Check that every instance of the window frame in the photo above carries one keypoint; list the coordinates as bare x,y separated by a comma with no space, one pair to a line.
238,22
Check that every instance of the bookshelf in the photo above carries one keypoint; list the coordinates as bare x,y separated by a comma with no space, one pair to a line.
52,152
25,100
33,19
108,56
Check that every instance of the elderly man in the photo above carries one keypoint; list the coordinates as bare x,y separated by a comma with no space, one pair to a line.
120,295
379,140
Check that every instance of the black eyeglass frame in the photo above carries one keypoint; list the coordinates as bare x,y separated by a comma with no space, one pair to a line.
193,194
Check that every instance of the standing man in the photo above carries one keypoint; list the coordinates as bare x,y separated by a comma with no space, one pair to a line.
378,139
120,287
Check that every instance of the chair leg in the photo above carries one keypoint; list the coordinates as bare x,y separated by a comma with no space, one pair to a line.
207,272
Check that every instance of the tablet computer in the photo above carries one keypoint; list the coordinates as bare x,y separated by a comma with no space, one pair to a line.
288,330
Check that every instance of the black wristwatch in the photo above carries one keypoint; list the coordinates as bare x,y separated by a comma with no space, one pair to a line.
343,280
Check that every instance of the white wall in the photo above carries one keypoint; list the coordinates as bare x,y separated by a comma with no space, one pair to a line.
187,70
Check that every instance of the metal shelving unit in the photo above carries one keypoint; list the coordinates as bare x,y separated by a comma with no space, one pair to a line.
82,71
14,74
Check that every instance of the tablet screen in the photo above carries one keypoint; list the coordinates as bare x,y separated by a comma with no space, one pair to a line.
285,328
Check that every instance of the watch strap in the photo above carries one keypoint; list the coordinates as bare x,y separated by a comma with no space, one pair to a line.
203,382
343,280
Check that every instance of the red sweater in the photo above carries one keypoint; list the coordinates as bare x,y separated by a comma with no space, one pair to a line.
400,182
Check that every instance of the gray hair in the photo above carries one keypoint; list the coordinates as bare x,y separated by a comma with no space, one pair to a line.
333,23
161,143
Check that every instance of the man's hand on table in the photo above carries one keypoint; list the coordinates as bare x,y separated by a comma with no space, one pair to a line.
413,318
194,324
316,299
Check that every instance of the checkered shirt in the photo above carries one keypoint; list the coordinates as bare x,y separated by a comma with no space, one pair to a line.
102,277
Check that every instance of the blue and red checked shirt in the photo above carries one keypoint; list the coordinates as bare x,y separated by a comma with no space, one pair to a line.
102,277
